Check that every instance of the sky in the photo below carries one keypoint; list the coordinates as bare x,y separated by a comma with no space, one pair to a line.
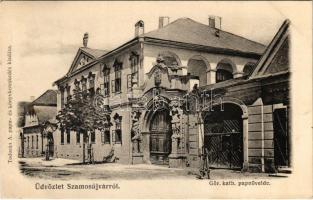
45,36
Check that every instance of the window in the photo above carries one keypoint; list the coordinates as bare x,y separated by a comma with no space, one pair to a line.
118,129
106,76
36,141
62,136
223,75
62,97
68,136
27,141
105,136
32,141
78,137
93,137
84,86
77,85
91,78
118,76
68,93
134,66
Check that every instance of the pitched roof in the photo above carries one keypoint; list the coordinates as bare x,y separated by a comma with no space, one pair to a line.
278,46
45,114
96,53
49,98
189,31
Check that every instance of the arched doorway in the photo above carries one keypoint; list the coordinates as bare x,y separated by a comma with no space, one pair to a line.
160,137
223,136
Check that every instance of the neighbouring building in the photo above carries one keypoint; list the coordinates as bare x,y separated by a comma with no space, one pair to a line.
34,141
181,88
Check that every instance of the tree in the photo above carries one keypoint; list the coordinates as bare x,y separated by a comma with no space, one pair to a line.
81,115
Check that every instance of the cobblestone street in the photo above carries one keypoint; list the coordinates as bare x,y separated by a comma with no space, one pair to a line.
64,169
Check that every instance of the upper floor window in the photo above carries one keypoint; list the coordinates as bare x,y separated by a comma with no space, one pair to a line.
106,77
134,66
77,85
91,78
117,86
62,96
68,93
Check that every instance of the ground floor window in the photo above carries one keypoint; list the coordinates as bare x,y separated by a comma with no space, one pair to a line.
93,137
36,141
32,141
62,136
105,136
68,136
77,137
118,136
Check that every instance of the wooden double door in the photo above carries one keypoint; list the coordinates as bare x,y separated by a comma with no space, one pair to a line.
160,138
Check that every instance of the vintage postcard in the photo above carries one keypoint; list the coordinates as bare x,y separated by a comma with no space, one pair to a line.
173,99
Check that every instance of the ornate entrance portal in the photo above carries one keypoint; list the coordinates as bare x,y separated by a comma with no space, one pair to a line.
223,137
160,138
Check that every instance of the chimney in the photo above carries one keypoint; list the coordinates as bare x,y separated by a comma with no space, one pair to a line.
215,22
32,98
163,21
85,40
139,28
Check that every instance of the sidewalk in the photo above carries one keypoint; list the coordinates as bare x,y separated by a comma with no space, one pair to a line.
69,169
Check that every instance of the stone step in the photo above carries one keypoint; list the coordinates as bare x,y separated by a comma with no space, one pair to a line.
285,170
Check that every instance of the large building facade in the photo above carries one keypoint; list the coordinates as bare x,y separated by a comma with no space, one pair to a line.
182,90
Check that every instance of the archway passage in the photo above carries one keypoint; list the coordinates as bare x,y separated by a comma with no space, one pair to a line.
160,138
223,136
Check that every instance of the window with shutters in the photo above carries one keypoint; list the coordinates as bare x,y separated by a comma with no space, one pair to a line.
106,83
118,76
91,78
84,86
134,66
62,97
68,93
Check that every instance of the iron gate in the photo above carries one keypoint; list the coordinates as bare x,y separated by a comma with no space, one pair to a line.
224,143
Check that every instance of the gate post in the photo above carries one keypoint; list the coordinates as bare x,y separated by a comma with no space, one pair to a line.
245,131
